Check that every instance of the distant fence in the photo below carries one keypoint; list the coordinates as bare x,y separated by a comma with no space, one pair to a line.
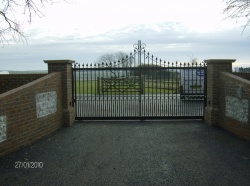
120,85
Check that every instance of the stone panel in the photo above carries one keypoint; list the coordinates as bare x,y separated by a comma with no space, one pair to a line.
3,128
46,103
237,108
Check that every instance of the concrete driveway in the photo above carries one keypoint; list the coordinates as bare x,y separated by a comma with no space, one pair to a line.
184,152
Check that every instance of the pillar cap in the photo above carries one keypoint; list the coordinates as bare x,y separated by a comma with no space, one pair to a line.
219,60
59,61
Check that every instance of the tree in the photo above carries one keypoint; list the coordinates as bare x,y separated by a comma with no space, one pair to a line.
118,59
237,9
148,70
193,60
10,20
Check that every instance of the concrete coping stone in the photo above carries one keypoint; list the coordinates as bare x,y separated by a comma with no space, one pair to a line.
219,60
59,61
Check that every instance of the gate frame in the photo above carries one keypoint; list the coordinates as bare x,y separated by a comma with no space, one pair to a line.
138,50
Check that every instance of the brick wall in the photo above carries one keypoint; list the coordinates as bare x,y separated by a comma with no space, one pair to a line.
214,67
66,73
243,75
30,112
234,109
11,81
65,67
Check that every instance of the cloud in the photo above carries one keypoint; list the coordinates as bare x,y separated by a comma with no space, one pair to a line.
169,41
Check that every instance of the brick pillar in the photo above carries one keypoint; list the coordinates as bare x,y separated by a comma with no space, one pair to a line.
214,67
65,67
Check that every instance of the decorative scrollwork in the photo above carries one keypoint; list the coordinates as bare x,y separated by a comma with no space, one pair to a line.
139,46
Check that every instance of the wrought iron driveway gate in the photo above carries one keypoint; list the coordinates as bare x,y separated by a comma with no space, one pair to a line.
139,86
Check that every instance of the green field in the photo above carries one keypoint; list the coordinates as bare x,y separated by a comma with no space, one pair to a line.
150,87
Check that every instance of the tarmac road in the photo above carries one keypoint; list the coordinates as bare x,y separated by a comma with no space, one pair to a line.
177,152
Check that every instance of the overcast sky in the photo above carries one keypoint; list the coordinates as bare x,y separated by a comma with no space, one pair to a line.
82,30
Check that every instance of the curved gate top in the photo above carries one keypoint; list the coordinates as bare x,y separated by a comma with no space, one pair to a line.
139,86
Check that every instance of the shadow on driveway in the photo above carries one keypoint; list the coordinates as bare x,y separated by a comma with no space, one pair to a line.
184,152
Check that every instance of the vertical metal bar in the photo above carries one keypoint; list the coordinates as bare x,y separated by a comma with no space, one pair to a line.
91,89
107,86
152,81
168,100
83,95
72,88
113,89
103,99
78,102
75,91
113,92
148,85
98,85
173,101
97,81
160,97
106,93
79,95
99,93
164,95
133,98
143,84
175,83
116,93
176,90
135,74
79,91
172,96
188,90
156,87
192,80
174,87
85,91
194,102
139,58
196,81
184,89
87,96
75,99
120,106
109,93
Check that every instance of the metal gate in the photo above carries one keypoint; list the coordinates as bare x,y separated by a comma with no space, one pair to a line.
139,86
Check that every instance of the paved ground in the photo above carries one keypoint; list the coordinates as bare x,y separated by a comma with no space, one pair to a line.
132,153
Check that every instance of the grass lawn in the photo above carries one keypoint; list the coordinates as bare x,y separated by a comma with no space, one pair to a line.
86,87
